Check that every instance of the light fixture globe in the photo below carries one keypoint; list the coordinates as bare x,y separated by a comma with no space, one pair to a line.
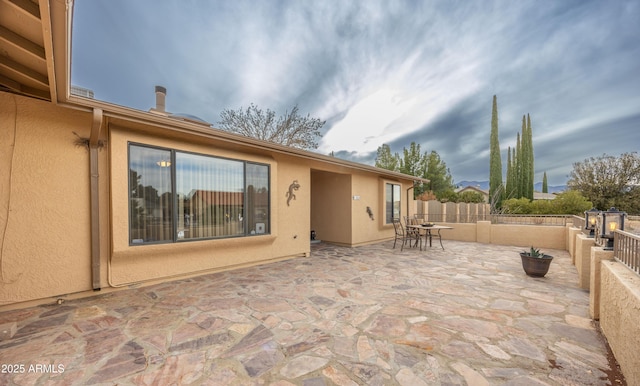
590,220
610,221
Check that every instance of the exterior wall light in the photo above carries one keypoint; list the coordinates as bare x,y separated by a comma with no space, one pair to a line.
608,223
590,219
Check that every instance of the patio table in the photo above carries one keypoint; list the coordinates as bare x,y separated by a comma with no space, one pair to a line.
429,235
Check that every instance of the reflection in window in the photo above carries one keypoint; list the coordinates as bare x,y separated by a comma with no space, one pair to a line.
257,198
151,201
392,202
215,197
210,196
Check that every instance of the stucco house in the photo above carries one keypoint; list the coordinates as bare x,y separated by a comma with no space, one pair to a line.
95,196
474,189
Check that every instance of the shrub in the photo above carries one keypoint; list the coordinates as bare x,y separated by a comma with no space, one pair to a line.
516,206
569,202
448,196
471,197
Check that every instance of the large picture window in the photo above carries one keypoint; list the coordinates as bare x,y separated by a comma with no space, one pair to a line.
176,196
392,202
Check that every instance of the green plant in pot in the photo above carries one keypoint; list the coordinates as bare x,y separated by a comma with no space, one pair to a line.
535,263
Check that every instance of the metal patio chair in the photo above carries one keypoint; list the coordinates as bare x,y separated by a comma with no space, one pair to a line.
405,235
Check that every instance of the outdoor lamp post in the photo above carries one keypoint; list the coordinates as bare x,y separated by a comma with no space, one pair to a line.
609,222
590,218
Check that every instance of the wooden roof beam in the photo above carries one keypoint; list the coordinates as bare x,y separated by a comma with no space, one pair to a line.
23,89
24,71
21,43
27,7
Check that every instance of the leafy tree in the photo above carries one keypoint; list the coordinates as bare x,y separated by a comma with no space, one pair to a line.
386,160
448,196
630,201
471,197
439,176
290,129
412,162
570,202
424,165
496,188
545,186
607,180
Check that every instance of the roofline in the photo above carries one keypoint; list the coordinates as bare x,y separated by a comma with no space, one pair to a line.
127,114
61,12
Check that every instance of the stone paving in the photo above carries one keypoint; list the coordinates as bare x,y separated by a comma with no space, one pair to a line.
370,315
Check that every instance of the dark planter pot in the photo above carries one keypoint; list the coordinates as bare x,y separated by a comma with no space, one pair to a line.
536,266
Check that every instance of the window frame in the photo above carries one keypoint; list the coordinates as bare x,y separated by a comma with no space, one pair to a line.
389,221
174,203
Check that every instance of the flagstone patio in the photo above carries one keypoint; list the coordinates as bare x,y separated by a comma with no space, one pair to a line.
370,315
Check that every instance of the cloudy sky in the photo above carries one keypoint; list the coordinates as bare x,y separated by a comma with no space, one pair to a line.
383,71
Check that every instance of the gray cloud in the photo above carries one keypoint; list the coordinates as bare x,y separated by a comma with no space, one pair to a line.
383,72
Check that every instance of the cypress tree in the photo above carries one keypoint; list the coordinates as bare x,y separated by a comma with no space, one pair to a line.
518,167
530,166
509,184
524,160
545,187
496,189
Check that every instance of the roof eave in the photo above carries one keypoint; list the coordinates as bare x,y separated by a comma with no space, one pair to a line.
59,59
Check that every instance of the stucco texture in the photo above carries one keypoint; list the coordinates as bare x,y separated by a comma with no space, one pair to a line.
44,200
619,315
289,235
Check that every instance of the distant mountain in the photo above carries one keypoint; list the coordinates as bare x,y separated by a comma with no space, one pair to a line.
552,189
484,185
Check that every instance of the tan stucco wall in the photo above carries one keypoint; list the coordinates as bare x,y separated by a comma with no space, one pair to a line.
460,232
539,236
289,223
44,200
598,255
573,232
582,259
619,315
484,232
331,206
368,191
339,207
552,237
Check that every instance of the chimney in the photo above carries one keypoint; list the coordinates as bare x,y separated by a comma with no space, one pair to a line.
161,95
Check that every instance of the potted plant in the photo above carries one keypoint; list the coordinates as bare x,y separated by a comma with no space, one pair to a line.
535,263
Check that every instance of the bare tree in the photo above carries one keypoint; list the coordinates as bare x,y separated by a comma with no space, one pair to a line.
290,129
606,180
